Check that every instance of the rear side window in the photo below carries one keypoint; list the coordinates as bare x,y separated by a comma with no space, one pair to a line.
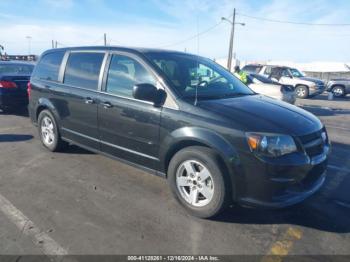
251,69
49,66
268,70
83,69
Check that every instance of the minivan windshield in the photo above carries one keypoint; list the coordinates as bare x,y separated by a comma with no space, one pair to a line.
193,75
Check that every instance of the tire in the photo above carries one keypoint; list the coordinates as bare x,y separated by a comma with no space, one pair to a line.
302,92
338,91
48,132
202,197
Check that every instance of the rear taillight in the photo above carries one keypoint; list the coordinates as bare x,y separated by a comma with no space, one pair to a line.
29,89
7,84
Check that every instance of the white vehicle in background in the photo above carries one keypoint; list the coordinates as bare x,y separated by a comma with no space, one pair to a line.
265,86
304,86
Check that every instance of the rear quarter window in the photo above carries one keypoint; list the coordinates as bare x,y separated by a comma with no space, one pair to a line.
49,66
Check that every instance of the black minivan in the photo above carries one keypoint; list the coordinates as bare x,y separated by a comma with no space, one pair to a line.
182,117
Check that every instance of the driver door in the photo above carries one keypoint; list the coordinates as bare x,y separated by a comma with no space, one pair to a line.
129,128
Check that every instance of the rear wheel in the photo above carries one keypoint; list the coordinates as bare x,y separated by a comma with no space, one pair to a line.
48,132
338,91
302,92
198,181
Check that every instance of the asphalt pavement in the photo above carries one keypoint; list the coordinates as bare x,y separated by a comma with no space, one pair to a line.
78,202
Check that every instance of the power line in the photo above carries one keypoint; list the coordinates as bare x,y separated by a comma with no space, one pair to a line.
193,37
288,22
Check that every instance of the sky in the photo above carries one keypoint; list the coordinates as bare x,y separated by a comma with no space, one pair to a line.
173,24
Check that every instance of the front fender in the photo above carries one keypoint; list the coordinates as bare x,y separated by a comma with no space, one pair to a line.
188,136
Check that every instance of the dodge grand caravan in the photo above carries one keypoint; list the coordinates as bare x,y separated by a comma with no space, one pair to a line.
182,117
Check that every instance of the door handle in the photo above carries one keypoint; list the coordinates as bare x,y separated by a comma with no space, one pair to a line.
107,105
89,101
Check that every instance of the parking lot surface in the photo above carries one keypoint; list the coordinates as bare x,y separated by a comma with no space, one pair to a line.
79,202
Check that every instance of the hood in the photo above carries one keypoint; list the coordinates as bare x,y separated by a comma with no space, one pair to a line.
313,80
259,113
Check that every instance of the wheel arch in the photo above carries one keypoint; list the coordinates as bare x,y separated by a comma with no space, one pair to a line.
45,104
340,85
187,137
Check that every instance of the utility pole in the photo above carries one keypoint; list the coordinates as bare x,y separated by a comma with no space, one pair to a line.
29,38
230,50
52,44
55,44
105,39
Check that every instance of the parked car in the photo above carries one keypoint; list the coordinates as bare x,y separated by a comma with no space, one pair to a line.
14,77
304,86
264,70
183,117
339,87
265,86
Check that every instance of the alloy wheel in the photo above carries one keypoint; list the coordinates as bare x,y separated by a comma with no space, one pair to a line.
338,91
195,183
47,131
301,92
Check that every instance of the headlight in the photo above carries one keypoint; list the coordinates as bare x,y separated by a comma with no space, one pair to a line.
271,145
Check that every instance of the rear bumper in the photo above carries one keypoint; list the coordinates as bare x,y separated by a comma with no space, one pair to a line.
13,100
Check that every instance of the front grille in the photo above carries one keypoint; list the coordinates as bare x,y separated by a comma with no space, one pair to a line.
314,143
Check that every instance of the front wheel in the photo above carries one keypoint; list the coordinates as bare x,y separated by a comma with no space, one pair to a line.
302,92
338,91
198,181
48,132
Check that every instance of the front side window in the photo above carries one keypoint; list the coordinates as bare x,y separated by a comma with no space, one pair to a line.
194,76
49,66
296,73
285,73
83,69
124,73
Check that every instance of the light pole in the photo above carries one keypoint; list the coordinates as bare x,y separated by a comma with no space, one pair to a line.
29,38
233,24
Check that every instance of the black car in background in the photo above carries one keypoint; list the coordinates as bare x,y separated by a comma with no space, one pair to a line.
14,77
182,117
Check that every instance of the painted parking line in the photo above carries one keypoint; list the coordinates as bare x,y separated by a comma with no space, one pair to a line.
40,239
283,245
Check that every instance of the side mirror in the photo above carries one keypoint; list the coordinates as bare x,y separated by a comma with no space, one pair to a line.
148,92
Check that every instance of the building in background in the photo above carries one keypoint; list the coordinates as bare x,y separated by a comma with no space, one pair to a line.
322,70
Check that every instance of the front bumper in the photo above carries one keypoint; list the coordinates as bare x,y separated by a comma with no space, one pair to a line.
284,182
317,90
